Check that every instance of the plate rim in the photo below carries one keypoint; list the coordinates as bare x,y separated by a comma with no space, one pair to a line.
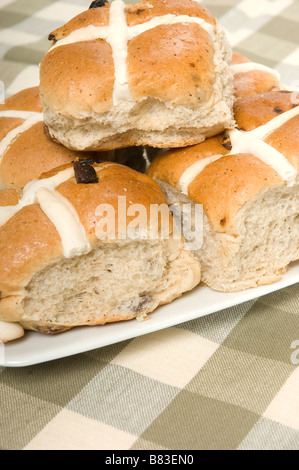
146,327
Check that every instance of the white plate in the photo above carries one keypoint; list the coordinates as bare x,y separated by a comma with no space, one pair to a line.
35,348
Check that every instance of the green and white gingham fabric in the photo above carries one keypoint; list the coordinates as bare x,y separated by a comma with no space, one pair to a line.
226,381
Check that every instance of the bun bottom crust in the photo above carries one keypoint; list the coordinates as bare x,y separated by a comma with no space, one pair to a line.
147,123
115,282
172,138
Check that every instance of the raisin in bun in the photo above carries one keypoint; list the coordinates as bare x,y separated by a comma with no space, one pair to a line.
60,270
246,180
251,78
154,73
26,149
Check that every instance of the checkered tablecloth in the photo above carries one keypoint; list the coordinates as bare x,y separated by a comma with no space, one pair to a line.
226,381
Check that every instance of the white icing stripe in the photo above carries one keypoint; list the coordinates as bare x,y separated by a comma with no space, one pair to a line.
13,134
57,208
252,66
49,183
271,126
169,20
11,113
252,143
118,40
243,142
118,33
29,193
193,171
89,33
65,219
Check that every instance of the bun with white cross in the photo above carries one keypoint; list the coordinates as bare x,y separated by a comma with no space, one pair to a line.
61,268
252,78
247,181
26,150
155,73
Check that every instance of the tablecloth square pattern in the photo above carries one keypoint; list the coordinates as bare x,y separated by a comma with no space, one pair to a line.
22,416
238,388
260,42
159,357
241,379
281,28
71,431
31,53
269,435
265,332
195,421
123,398
284,408
218,326
48,383
285,300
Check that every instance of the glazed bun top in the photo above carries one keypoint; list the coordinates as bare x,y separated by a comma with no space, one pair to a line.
153,49
26,150
251,78
25,100
227,171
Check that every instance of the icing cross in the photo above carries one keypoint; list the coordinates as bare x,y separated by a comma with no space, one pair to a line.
57,208
118,33
252,143
30,119
253,66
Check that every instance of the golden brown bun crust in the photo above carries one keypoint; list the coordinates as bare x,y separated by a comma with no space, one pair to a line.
136,14
146,10
31,154
225,185
254,82
257,110
34,242
170,165
95,16
157,55
25,100
81,64
8,197
114,181
8,124
162,49
285,140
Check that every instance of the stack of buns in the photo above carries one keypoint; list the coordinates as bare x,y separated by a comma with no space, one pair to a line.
142,105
